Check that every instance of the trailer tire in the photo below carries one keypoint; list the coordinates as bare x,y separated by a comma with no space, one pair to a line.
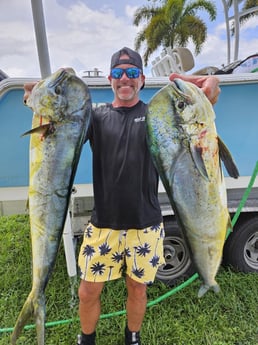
241,247
179,266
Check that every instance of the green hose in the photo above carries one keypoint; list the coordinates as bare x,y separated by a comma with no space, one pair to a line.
174,290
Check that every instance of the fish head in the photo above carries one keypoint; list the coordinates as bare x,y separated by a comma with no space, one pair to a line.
180,120
191,103
181,104
59,97
181,110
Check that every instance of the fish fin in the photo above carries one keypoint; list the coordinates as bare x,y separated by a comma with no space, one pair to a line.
204,288
227,159
43,130
196,154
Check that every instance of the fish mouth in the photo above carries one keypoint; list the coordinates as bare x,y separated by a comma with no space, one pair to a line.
62,75
178,85
181,90
178,88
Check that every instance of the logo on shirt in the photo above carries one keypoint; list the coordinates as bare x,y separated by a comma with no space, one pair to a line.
139,119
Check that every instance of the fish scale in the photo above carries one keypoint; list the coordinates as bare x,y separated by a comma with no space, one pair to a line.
62,107
186,150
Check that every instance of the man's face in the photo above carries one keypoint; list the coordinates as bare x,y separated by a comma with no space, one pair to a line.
126,89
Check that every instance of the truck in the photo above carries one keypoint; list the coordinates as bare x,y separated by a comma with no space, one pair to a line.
237,125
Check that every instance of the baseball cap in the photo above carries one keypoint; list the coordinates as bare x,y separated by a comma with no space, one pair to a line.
134,58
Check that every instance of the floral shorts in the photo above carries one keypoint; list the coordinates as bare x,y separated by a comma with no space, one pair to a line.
106,254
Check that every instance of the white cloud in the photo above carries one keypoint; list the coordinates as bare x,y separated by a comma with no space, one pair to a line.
213,53
90,38
252,23
130,10
76,34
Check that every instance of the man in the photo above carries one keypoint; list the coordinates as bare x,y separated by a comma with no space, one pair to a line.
126,231
125,235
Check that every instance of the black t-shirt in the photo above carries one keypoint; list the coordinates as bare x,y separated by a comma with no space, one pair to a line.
125,180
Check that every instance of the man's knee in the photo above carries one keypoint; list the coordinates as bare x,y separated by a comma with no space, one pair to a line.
89,292
136,289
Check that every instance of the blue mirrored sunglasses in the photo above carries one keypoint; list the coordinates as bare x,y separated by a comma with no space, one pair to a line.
131,72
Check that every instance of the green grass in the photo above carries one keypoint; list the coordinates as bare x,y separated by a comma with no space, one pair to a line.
229,318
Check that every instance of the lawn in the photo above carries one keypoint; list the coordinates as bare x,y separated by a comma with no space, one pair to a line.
229,318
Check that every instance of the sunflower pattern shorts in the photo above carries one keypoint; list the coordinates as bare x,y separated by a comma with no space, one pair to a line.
105,253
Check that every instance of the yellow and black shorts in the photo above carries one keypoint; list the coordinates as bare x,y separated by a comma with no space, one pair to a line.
106,254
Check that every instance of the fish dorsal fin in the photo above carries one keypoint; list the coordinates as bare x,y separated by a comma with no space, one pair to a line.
227,159
196,154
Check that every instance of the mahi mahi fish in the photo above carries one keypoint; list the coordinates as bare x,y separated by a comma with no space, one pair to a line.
62,106
187,153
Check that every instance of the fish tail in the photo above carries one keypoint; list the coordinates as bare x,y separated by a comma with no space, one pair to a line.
32,307
25,314
204,288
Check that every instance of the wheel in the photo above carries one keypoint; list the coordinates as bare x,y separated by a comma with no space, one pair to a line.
178,265
241,247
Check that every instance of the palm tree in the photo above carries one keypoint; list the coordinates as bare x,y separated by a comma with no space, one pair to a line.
249,9
173,23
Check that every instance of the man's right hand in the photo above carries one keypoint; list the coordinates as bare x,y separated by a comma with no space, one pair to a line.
27,90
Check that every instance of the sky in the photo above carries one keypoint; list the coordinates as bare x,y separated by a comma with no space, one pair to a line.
83,34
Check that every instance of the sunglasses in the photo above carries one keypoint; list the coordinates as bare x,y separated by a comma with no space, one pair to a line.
131,72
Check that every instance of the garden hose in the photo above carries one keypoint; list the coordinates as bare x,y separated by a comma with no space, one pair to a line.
169,293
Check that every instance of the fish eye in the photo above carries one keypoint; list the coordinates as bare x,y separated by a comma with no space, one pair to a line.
58,90
181,105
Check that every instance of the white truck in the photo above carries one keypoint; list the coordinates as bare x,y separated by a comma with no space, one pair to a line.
237,125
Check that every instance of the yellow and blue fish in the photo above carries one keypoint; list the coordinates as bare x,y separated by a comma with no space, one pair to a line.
187,153
62,107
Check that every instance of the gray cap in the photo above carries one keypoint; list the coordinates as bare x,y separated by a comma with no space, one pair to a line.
134,58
